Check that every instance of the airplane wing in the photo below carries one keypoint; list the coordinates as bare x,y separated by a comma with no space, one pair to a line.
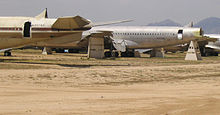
71,23
103,34
211,38
110,22
213,47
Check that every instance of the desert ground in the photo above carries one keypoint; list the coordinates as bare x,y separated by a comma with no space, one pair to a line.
31,83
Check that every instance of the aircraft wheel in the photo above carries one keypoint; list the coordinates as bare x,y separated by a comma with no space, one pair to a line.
7,53
59,50
108,54
116,54
123,54
130,54
215,54
73,51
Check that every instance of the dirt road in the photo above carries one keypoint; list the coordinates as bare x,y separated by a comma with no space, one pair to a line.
69,84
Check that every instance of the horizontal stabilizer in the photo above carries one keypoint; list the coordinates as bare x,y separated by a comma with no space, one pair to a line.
76,22
111,22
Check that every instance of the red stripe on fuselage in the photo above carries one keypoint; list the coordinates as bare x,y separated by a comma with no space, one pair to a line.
20,29
10,29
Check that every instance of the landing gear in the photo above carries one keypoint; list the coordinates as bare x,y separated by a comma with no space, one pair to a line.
208,52
127,54
7,53
73,51
108,54
115,54
111,54
59,50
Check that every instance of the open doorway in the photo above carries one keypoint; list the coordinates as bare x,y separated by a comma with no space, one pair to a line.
180,34
27,29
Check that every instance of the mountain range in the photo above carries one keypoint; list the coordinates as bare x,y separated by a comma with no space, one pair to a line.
210,25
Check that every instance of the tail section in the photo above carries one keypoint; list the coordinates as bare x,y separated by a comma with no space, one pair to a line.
43,14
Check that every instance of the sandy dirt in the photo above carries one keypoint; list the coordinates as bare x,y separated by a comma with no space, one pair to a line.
72,84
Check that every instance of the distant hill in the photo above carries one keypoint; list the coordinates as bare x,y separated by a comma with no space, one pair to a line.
167,22
210,25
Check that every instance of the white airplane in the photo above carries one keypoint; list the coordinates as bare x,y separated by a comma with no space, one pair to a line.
127,38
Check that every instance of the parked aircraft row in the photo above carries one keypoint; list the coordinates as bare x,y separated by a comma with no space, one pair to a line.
74,32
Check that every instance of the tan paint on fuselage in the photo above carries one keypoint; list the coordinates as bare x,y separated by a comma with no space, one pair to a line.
14,38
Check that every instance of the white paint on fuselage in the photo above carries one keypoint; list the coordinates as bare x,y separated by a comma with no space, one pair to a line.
142,37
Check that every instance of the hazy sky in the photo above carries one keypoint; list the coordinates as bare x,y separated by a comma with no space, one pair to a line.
142,11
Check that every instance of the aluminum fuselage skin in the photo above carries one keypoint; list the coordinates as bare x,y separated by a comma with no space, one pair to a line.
136,37
142,37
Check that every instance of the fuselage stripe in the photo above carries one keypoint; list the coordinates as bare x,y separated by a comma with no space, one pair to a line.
10,29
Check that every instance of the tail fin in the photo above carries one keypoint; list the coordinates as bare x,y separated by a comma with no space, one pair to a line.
189,25
43,14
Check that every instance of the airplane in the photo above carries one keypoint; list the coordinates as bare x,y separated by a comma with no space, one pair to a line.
17,32
125,39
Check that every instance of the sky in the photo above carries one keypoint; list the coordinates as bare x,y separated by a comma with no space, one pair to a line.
142,12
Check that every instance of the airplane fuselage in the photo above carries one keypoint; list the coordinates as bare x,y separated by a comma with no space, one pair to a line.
142,37
135,37
20,31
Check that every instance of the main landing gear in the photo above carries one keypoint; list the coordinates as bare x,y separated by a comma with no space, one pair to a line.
7,53
128,54
116,54
111,54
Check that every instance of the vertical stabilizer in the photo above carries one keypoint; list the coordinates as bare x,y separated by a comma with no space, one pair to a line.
189,25
44,14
